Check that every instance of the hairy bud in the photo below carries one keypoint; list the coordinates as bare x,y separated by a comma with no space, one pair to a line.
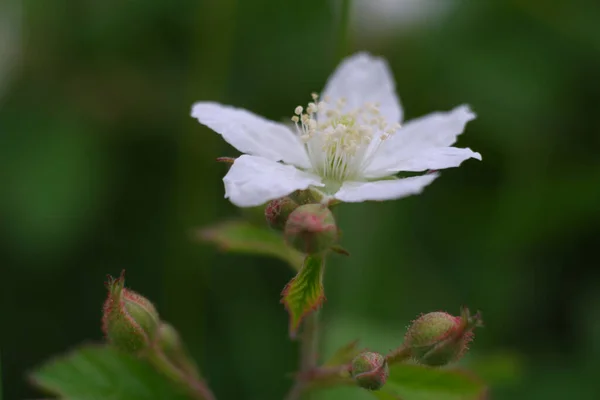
129,321
370,370
278,211
439,338
311,229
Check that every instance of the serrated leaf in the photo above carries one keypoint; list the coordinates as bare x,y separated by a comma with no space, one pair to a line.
343,355
416,382
304,293
240,236
100,372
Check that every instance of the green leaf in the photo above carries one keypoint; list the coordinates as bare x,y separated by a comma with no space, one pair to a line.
240,236
98,372
304,293
343,355
416,382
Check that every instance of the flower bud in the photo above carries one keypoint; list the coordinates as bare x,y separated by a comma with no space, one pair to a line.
278,211
370,370
311,229
129,321
439,338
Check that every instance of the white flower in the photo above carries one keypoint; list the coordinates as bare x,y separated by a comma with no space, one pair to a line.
349,144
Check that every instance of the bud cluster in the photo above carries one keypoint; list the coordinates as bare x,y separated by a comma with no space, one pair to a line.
308,225
439,338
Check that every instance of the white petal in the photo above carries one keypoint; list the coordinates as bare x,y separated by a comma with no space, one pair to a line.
383,190
418,137
252,134
252,181
361,79
436,158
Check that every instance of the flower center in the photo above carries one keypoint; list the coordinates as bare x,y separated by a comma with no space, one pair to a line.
341,142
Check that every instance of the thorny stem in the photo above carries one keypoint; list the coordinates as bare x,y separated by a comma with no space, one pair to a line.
309,345
196,387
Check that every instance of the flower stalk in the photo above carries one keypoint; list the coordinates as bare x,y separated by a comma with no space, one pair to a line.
196,387
309,346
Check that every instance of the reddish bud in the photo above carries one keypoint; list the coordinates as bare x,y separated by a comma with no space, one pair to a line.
311,229
370,370
439,338
278,211
129,321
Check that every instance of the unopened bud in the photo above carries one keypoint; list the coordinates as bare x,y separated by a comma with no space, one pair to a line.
129,321
439,338
278,211
370,370
311,229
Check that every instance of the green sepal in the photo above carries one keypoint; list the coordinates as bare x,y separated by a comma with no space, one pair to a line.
336,248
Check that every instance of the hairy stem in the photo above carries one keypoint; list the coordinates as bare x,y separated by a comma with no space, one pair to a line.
399,355
310,342
309,345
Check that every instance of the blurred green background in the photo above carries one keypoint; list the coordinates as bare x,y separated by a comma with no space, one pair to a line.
103,169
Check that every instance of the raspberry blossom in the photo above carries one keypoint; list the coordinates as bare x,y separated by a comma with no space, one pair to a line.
349,144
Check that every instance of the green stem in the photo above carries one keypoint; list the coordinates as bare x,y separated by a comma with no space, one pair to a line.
310,342
196,387
330,376
399,355
309,346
